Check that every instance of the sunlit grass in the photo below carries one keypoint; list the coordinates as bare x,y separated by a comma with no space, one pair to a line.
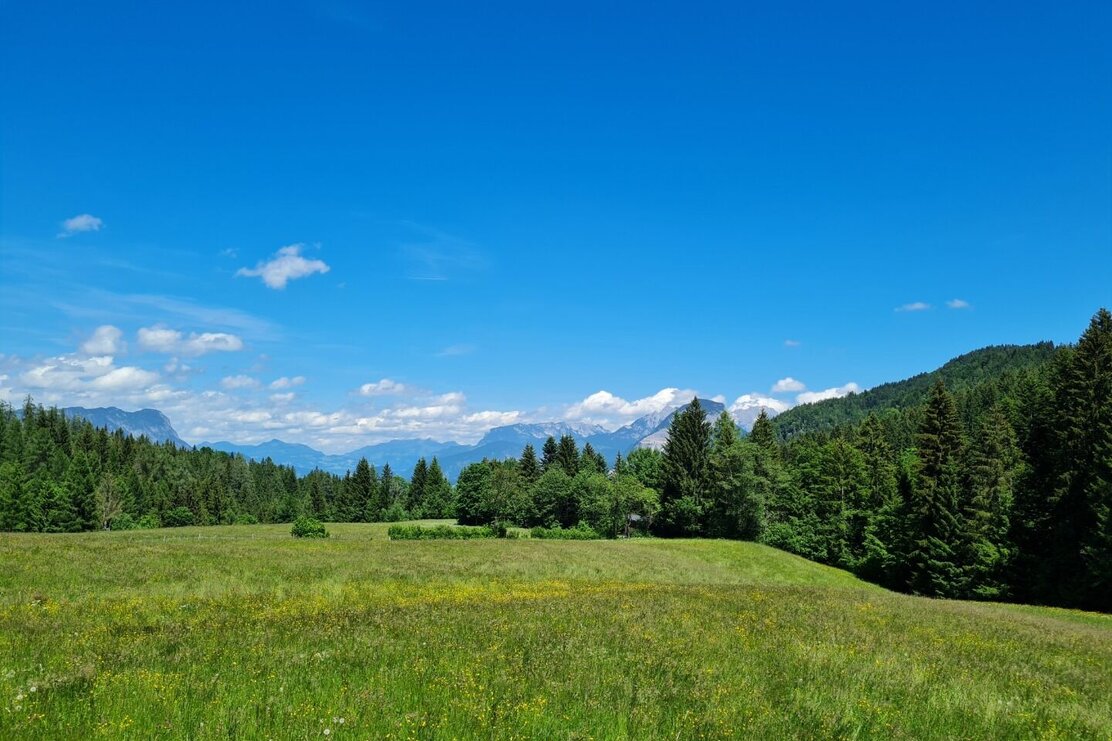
248,632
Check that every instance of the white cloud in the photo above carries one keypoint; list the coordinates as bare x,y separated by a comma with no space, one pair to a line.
792,343
810,397
747,407
240,381
787,384
80,223
957,303
606,409
163,339
286,265
914,306
126,378
385,387
286,382
105,340
283,398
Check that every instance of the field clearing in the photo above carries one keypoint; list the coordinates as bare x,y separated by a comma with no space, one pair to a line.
244,631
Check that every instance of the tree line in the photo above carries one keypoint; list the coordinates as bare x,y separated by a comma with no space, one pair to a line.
999,490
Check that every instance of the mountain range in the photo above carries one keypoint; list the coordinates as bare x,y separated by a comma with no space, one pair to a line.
499,442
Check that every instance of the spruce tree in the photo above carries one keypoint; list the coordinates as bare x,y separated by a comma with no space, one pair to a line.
415,496
591,461
549,453
438,493
362,487
685,473
993,469
937,508
528,467
567,455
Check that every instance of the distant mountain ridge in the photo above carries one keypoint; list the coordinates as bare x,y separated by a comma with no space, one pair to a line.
149,423
499,442
960,373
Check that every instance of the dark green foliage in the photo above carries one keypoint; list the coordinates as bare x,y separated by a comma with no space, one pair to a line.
438,532
550,451
685,473
308,527
582,531
528,467
567,455
179,517
439,501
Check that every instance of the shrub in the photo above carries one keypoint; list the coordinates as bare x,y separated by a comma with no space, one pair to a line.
438,532
179,517
149,521
245,519
308,527
582,531
124,521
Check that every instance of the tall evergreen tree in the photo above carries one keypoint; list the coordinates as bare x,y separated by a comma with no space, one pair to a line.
415,495
567,455
549,453
590,460
365,508
685,473
528,467
438,493
937,508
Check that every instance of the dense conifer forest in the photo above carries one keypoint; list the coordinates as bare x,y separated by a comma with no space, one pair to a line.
991,479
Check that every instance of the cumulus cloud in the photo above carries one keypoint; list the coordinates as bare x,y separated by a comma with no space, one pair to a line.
285,265
283,398
787,384
105,340
957,303
385,387
914,306
286,382
240,381
80,223
810,397
166,340
606,409
128,377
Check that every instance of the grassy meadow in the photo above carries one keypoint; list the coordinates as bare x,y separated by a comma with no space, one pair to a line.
246,632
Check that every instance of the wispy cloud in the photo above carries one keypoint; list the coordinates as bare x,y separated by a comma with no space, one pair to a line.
456,350
285,265
286,382
385,387
914,306
957,303
440,256
80,223
173,342
792,343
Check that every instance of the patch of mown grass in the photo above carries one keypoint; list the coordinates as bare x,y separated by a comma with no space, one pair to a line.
243,631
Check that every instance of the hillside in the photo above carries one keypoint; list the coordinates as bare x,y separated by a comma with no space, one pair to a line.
963,372
151,633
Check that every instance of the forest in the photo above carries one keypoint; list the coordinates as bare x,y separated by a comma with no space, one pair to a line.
992,481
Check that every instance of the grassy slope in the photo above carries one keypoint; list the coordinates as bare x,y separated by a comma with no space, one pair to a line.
201,632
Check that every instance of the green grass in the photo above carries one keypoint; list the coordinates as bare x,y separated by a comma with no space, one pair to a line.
246,632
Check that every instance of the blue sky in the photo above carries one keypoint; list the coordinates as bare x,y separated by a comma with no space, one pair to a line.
503,211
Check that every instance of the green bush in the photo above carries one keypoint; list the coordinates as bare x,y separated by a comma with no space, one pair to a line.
308,527
124,521
149,521
438,532
245,519
179,517
582,531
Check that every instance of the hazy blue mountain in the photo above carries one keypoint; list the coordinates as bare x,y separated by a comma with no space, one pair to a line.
500,442
150,423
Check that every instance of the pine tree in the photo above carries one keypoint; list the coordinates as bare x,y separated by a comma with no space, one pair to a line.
993,468
415,499
549,453
528,467
363,487
937,508
591,461
763,434
685,473
734,511
567,455
438,493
